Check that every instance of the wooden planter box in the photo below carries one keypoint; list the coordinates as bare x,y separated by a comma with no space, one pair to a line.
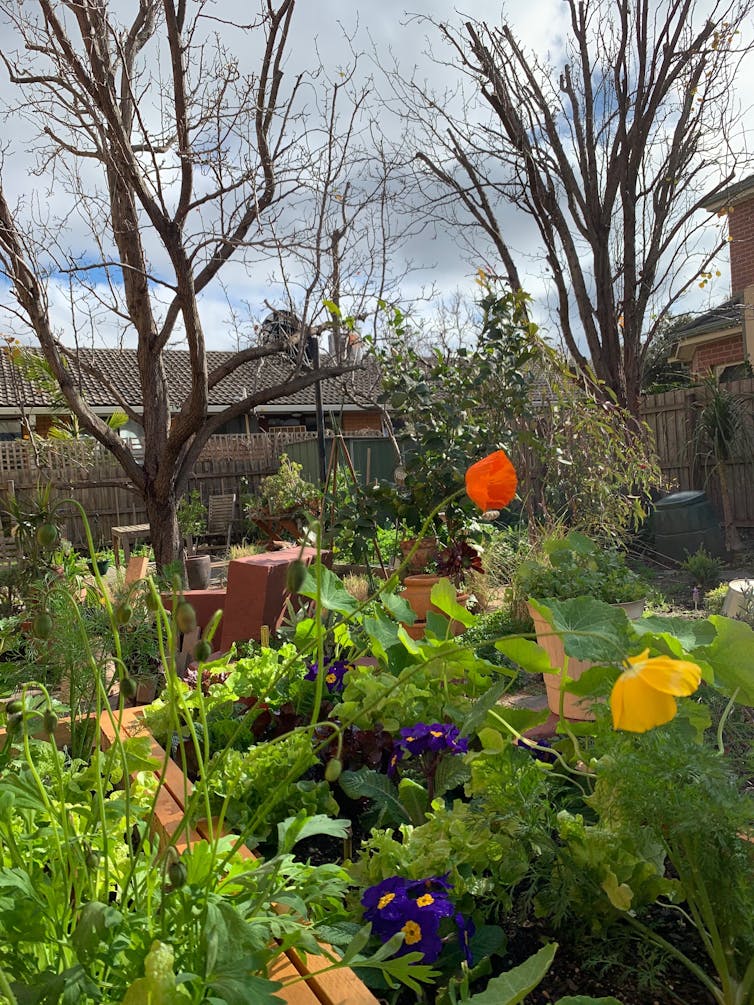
337,987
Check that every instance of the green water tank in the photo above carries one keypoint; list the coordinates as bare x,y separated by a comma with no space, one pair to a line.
682,522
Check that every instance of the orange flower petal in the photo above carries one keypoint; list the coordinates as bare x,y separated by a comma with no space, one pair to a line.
491,482
637,707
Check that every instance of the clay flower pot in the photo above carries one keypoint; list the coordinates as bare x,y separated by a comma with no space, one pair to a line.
417,592
574,707
425,553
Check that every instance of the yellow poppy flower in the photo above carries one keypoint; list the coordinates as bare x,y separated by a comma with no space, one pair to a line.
644,695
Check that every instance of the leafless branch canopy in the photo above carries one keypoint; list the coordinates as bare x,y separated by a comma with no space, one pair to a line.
610,150
182,166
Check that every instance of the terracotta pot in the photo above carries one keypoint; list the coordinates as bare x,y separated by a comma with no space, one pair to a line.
416,593
425,553
198,571
574,707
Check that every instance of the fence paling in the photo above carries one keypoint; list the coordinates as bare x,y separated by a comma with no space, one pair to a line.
86,472
671,417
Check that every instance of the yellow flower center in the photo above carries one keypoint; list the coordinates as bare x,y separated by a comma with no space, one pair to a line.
425,900
385,900
413,932
331,678
434,732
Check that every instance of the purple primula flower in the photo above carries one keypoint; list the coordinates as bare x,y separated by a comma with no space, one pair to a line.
335,671
414,907
466,929
386,899
435,738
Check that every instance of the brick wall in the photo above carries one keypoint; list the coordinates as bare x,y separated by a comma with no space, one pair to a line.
721,352
741,233
352,421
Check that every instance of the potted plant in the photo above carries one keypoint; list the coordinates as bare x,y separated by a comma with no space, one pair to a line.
569,567
192,522
452,562
101,561
285,502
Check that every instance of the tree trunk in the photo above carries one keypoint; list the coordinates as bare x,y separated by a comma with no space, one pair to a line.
162,514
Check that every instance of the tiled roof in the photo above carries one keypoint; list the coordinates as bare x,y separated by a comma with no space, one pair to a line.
725,315
731,195
120,367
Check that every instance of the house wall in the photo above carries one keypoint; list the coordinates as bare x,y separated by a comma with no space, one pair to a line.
351,421
741,234
721,352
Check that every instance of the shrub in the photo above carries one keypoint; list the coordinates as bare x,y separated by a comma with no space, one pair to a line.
575,566
703,568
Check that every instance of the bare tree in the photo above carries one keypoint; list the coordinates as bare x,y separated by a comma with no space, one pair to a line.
181,167
611,149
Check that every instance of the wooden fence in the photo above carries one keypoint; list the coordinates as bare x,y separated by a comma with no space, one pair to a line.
672,417
83,470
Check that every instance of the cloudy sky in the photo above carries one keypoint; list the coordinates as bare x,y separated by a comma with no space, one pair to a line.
383,34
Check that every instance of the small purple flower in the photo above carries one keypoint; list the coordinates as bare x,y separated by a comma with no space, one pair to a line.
466,929
385,900
335,671
416,908
435,738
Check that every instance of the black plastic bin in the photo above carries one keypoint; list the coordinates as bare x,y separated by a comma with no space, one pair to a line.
683,521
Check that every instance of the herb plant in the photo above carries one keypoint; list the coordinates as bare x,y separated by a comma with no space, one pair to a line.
575,566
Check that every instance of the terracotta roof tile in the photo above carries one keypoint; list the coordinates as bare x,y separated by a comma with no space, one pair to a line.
121,369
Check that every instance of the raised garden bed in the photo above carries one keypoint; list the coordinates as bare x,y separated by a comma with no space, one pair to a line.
336,987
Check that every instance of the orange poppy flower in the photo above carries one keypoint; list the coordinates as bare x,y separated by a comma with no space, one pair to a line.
491,482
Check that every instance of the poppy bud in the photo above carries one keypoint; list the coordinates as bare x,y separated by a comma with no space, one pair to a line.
128,687
50,721
185,617
202,651
177,874
333,769
295,576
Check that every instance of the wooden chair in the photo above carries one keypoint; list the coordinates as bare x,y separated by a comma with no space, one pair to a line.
221,515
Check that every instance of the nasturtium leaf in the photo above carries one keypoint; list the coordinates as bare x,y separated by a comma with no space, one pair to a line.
443,596
333,596
493,739
731,656
526,654
398,607
513,986
590,630
595,682
382,632
411,644
438,626
689,633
